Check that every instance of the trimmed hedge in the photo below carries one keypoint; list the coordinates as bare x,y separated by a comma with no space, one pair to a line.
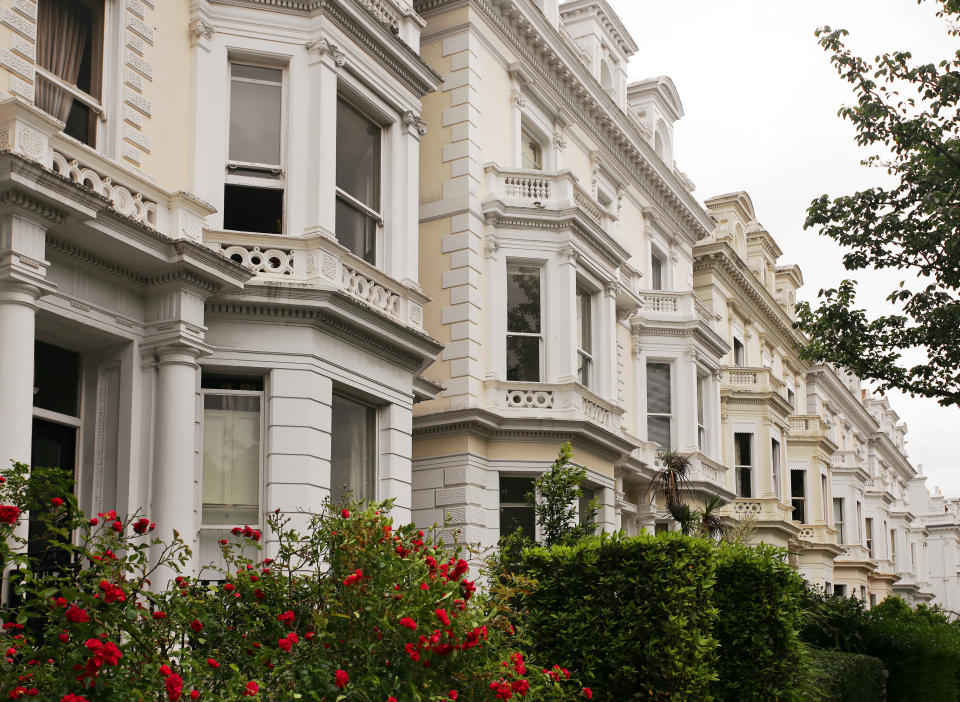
849,677
631,616
757,595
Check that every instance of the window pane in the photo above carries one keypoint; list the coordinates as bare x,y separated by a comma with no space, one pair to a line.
739,357
352,450
799,512
358,156
583,369
744,482
656,272
512,518
532,152
357,231
700,382
255,114
515,489
523,358
231,459
658,430
523,299
584,323
658,388
798,483
249,209
56,379
743,448
585,499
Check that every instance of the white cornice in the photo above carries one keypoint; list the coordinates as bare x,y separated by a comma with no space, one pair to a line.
554,62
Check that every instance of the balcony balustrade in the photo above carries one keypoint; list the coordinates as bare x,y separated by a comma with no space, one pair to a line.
848,459
552,191
670,305
741,378
320,261
552,400
809,425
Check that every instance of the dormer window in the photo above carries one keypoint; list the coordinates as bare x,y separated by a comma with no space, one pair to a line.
531,152
70,63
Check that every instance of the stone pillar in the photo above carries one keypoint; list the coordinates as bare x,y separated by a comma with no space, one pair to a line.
325,58
172,493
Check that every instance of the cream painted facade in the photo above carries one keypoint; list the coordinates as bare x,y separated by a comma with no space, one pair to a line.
187,321
546,178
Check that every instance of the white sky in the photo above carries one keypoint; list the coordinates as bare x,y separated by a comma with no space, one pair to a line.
760,98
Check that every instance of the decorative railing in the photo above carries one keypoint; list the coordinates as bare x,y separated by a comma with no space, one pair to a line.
558,190
263,261
847,458
747,508
655,302
557,400
807,425
756,379
128,203
322,261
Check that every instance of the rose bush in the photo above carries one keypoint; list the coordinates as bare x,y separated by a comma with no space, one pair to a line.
349,607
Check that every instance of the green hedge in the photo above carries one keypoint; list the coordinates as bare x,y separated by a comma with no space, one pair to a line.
631,616
757,595
849,677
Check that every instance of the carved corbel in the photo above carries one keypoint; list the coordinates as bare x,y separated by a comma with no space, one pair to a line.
200,30
413,123
324,47
491,246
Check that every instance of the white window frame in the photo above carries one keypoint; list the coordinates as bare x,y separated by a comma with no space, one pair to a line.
268,176
260,478
739,337
868,535
656,252
353,202
776,466
702,410
532,476
527,134
344,393
738,467
800,498
673,379
586,358
539,265
841,532
539,125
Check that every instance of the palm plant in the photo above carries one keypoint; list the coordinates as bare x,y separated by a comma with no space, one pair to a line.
672,481
711,523
686,518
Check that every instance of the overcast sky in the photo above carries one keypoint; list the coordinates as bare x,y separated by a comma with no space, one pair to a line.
761,98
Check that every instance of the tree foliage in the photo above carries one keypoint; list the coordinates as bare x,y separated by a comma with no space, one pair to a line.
907,114
556,496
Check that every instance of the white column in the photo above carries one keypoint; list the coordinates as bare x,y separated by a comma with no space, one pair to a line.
558,291
606,344
172,503
18,310
322,143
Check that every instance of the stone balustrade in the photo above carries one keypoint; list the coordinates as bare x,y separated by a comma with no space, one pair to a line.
673,305
758,379
321,261
808,425
847,459
557,190
557,400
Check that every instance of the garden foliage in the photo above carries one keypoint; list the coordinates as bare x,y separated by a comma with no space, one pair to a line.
349,608
849,677
757,596
630,615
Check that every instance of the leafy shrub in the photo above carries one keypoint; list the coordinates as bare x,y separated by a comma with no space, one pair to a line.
849,677
921,649
629,615
351,608
757,596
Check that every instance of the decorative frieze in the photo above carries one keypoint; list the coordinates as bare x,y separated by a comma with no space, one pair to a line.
10,60
263,261
19,23
138,101
140,27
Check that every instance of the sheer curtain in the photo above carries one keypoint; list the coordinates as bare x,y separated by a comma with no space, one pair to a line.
63,30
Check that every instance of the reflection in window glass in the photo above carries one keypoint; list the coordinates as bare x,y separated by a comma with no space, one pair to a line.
515,511
743,461
523,323
659,404
255,104
358,181
231,459
798,494
532,152
352,450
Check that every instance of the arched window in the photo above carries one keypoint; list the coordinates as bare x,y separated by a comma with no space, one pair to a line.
661,143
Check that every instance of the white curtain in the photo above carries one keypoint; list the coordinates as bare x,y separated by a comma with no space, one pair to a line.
63,30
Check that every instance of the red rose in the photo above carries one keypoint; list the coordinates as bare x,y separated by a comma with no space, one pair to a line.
194,694
174,687
251,689
117,526
408,623
9,514
588,693
57,501
285,644
259,594
77,615
64,637
94,521
196,625
452,694
212,663
342,678
165,671
345,513
159,615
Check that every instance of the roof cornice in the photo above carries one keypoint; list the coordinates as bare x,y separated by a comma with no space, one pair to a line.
555,63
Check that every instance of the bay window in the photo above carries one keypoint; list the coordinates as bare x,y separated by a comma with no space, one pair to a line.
584,337
70,64
743,463
353,427
524,330
253,193
231,452
515,511
358,211
659,405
